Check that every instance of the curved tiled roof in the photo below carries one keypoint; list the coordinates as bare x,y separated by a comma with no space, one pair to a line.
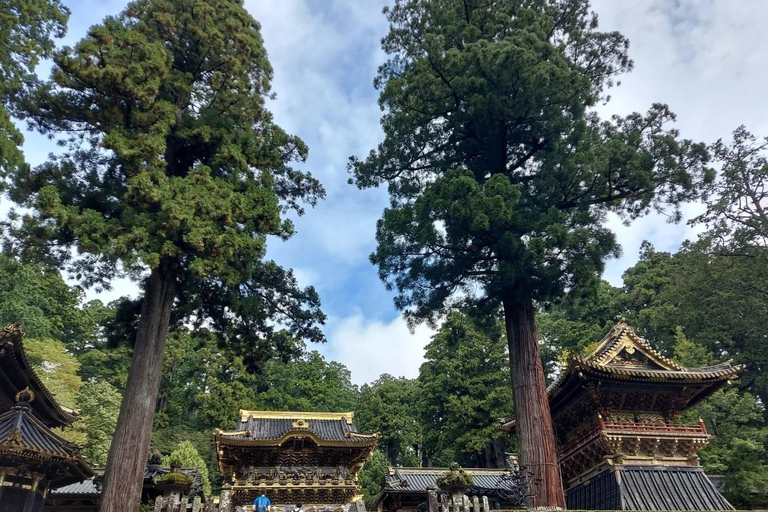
418,480
16,374
22,435
278,426
606,361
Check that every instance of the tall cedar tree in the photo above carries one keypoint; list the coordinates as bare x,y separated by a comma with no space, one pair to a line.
175,168
500,176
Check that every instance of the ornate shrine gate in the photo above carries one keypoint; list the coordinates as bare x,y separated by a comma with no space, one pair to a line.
294,457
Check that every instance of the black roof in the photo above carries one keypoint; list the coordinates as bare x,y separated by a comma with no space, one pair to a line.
271,428
17,374
668,488
420,480
22,436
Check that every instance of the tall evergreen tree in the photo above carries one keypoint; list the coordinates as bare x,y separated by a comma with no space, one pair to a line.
500,176
389,405
176,174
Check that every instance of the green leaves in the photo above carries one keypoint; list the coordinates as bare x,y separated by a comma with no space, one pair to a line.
371,477
99,405
27,29
390,406
465,390
188,456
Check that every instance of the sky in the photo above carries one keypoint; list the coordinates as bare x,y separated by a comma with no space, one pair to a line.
705,58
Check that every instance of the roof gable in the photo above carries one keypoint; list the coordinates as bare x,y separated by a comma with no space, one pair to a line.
622,347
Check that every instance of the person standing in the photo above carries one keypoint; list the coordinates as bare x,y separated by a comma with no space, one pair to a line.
261,504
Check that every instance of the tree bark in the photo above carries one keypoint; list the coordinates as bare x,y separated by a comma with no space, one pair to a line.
124,474
535,435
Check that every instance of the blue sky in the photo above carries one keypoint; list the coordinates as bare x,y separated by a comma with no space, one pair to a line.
705,58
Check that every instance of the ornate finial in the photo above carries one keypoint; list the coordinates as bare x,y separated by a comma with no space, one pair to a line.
25,395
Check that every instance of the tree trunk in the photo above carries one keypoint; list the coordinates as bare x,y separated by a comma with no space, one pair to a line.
500,451
535,435
124,474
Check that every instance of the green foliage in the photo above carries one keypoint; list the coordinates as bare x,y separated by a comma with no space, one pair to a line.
689,353
37,297
738,447
57,368
308,383
186,455
389,406
26,31
175,478
499,174
172,166
172,157
371,477
99,405
465,389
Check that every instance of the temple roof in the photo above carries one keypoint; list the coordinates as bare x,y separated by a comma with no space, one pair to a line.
92,486
412,484
420,480
623,355
24,437
273,428
655,488
17,374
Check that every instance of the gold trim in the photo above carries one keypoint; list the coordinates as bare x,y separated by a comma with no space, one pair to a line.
349,417
226,438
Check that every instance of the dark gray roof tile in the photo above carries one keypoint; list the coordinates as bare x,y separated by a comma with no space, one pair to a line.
654,488
274,428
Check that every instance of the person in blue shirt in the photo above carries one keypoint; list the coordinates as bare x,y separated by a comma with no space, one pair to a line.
261,504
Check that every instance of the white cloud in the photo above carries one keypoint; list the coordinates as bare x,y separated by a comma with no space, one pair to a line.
370,348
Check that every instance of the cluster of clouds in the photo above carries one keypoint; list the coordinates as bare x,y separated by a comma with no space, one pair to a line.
702,57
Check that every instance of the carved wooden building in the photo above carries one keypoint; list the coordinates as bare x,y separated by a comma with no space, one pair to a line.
33,458
294,457
615,415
